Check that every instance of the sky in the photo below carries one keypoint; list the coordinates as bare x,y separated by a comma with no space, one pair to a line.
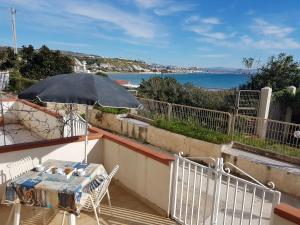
204,33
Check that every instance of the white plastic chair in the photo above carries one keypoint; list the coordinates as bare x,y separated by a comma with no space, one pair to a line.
16,169
20,167
91,201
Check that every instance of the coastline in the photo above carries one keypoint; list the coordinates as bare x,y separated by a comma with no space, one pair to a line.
173,73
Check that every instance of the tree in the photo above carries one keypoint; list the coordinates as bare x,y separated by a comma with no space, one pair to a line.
169,90
248,63
101,74
42,63
162,89
8,59
278,73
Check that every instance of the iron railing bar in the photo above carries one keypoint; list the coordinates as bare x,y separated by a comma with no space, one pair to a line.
187,193
234,201
182,184
252,204
243,203
194,189
262,207
200,193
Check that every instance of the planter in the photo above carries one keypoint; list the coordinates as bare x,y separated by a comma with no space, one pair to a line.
263,152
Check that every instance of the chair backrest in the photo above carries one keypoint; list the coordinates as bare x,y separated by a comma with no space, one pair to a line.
19,167
101,191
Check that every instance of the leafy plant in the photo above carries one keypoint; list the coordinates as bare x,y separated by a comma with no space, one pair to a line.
278,73
169,90
18,83
42,63
192,130
111,110
267,145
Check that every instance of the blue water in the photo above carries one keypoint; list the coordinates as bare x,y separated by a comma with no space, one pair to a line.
205,80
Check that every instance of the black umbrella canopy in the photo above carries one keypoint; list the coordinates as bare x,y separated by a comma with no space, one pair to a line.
81,88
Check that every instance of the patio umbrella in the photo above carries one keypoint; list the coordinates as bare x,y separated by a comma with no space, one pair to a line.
81,88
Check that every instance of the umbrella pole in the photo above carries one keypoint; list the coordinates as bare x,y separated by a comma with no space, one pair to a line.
86,134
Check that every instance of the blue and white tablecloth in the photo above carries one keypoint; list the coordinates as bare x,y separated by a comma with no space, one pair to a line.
53,191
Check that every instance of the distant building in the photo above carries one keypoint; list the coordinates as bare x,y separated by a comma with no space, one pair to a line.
80,67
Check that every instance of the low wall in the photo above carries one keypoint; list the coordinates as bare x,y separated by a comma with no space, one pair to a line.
118,124
284,180
286,215
45,123
172,142
10,111
143,171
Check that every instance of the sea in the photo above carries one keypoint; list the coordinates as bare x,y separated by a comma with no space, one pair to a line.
203,80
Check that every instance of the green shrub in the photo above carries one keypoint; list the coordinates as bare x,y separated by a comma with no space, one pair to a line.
192,130
267,145
18,83
168,89
112,110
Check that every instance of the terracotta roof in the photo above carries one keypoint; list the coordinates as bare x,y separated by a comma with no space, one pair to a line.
122,82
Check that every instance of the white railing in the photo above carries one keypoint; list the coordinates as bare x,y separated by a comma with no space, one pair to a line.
212,195
210,119
4,79
248,130
74,126
152,108
264,133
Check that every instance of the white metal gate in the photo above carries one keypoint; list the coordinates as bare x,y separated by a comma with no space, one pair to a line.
212,195
247,102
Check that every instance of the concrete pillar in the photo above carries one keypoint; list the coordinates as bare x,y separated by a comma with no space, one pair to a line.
263,114
289,113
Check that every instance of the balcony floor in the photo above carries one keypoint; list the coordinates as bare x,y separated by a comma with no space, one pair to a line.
16,134
127,210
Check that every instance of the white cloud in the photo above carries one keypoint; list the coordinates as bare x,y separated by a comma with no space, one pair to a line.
205,20
133,24
173,8
214,55
211,20
68,44
148,3
263,27
205,32
205,27
285,43
266,36
246,42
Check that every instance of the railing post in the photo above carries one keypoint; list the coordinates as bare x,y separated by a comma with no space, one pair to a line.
72,120
289,112
263,114
276,201
217,186
173,189
169,111
229,128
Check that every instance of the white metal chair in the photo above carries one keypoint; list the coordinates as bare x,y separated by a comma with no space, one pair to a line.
91,201
20,167
16,169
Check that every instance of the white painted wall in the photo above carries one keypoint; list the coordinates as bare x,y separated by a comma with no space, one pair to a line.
148,178
71,152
